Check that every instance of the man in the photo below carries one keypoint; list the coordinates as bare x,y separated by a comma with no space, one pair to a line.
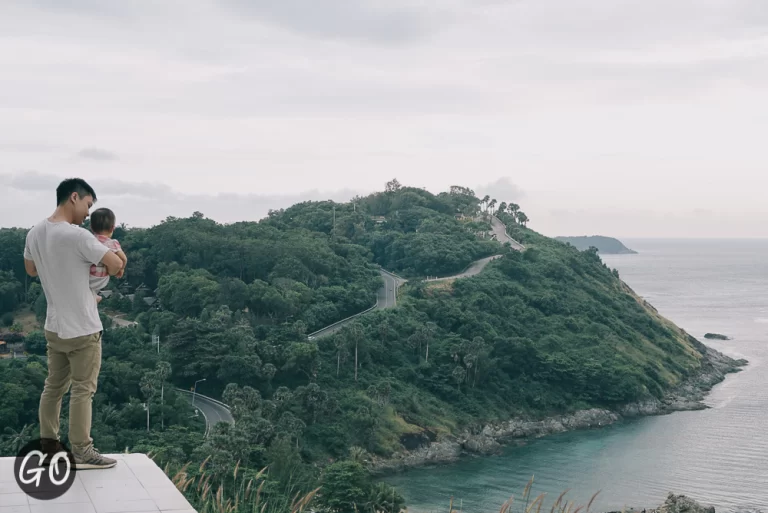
61,253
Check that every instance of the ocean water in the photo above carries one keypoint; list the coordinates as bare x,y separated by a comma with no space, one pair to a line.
718,456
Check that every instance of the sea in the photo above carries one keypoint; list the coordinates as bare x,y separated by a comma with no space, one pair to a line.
718,456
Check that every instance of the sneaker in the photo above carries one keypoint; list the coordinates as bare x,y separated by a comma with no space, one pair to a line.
91,459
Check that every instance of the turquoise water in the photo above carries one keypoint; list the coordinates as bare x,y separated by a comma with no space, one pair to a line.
718,456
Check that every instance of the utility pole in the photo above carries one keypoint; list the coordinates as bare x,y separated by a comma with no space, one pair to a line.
194,392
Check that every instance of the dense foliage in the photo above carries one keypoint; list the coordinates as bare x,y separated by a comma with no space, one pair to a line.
550,329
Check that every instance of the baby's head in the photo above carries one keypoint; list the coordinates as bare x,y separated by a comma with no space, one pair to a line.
103,222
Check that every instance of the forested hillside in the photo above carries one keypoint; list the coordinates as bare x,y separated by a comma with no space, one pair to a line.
550,329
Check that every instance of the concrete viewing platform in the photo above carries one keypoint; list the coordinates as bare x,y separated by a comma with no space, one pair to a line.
135,485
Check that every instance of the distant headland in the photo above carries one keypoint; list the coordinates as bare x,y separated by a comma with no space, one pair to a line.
605,245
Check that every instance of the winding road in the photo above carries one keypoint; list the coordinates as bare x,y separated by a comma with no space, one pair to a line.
215,411
500,230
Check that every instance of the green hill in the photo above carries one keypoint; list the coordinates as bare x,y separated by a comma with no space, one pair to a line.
605,245
545,331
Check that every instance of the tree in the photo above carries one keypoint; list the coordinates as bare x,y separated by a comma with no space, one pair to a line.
345,487
7,319
11,292
384,498
485,201
459,374
522,218
492,204
163,372
428,333
35,343
340,342
149,384
303,356
354,333
393,186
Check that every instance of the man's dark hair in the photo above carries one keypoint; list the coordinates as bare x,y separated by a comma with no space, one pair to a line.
102,220
70,185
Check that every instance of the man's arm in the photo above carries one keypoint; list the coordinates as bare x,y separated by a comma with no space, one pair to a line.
124,258
112,262
30,267
29,264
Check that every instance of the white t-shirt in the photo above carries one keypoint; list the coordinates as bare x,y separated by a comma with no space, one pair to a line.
63,254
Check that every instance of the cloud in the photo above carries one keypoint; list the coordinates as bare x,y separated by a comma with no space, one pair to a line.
146,204
502,189
363,20
96,154
30,181
600,103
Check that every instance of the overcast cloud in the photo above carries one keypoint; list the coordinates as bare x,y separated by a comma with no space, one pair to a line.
627,118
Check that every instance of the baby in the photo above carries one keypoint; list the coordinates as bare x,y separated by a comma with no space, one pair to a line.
102,226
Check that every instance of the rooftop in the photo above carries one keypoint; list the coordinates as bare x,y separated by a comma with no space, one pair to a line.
135,485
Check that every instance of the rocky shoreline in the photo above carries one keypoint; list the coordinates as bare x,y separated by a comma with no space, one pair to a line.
426,449
682,504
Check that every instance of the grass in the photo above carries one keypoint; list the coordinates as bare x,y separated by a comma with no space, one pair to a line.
246,495
210,493
26,317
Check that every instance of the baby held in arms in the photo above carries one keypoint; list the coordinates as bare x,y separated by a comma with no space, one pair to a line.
102,226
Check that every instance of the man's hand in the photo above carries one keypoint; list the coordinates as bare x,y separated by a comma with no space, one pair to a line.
112,262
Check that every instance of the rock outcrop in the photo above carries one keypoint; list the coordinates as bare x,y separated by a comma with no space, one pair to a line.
426,449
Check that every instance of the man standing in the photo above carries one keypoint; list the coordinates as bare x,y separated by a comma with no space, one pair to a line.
61,253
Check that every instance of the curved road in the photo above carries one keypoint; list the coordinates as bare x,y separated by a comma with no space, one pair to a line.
215,411
500,230
474,268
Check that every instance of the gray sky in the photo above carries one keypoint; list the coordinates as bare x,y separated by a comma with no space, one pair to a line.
626,118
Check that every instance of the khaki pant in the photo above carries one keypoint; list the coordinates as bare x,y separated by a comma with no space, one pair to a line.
75,362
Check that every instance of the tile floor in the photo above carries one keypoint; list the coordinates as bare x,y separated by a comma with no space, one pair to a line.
135,485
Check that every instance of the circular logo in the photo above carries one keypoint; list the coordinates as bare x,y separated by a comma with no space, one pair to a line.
44,469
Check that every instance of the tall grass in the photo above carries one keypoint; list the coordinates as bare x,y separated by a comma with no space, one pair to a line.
211,494
235,493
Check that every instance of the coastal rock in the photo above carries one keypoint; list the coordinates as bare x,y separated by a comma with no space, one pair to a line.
413,441
481,444
443,451
422,448
676,504
681,504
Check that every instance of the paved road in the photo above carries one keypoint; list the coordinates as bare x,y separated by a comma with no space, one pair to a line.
213,411
386,297
123,322
501,234
475,268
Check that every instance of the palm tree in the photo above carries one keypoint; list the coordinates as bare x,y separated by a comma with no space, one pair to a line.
522,218
486,198
428,332
491,205
355,335
18,439
148,386
163,372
